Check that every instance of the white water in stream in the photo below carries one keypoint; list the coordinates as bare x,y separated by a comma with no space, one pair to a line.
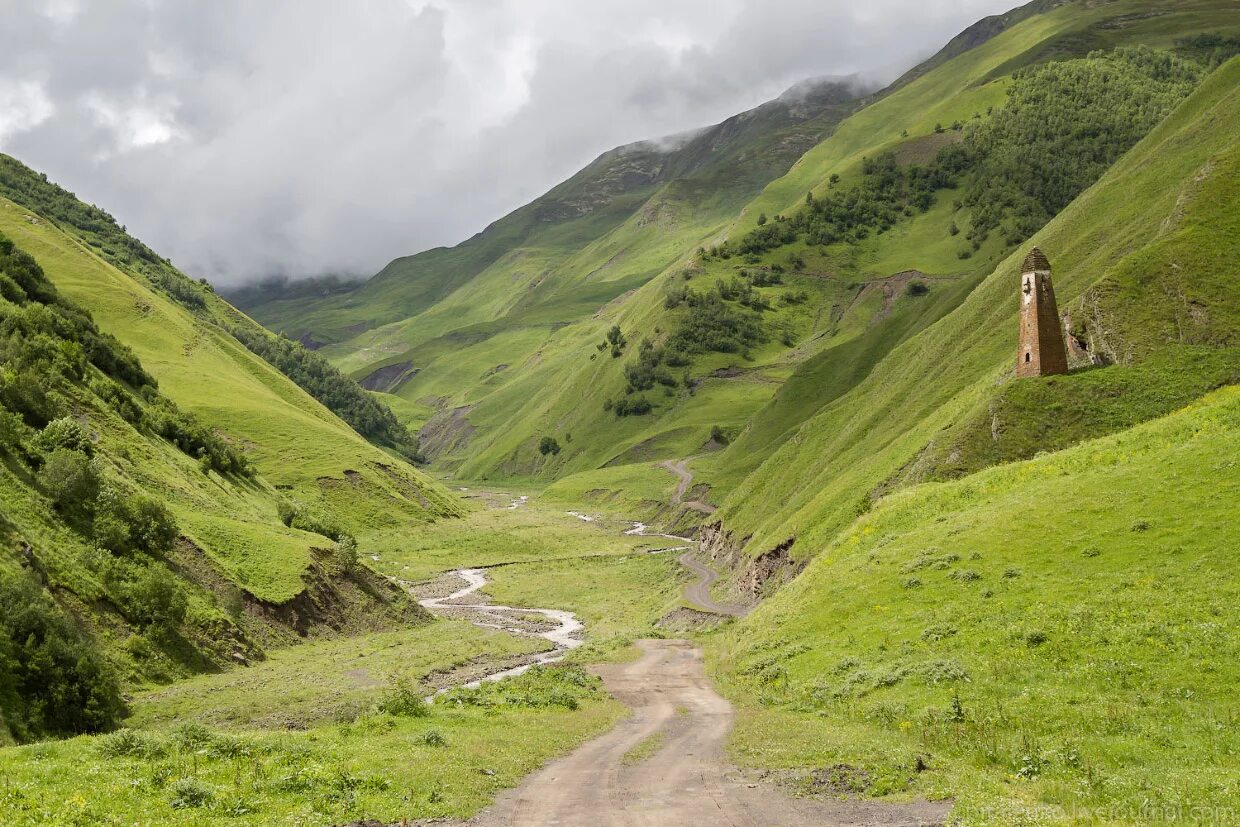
562,636
641,530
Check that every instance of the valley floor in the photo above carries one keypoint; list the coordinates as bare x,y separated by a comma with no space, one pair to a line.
336,731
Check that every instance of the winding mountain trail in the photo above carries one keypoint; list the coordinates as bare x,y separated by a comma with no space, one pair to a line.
681,469
665,765
698,592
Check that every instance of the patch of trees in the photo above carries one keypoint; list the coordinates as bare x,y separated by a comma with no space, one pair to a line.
1211,50
53,682
724,319
614,341
340,394
886,193
548,446
1062,126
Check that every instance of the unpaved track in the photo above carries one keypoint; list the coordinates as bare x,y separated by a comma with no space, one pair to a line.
698,592
686,782
681,469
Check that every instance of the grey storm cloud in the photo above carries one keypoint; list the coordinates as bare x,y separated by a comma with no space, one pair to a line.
247,140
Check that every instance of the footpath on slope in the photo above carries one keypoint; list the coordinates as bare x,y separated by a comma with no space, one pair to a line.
697,593
681,469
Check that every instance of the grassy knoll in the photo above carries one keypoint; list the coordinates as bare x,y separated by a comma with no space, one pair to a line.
1040,640
372,764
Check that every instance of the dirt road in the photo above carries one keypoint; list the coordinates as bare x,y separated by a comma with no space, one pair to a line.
698,592
681,469
665,765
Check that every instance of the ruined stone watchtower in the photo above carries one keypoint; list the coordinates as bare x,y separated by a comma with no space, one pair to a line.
1041,351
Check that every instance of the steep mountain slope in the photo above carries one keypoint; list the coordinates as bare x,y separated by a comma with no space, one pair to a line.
177,504
99,231
1156,230
136,542
513,354
714,171
561,391
340,481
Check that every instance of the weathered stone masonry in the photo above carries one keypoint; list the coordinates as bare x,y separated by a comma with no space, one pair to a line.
1041,351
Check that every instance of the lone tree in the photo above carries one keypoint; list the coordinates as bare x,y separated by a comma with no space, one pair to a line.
548,445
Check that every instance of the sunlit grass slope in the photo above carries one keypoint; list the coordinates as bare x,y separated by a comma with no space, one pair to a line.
824,475
297,444
1046,642
508,356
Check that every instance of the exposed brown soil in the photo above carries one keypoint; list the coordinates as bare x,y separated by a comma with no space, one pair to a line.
752,577
389,377
331,602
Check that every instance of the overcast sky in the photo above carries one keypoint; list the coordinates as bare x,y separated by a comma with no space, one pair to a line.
247,139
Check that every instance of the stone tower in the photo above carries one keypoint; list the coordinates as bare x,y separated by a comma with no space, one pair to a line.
1041,351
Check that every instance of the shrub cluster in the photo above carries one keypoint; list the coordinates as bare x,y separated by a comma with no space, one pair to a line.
52,681
48,342
711,323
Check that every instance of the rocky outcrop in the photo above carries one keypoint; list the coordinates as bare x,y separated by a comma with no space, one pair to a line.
754,577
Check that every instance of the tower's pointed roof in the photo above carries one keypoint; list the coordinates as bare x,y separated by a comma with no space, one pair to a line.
1036,260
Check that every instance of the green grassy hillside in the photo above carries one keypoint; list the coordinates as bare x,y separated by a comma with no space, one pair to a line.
508,353
834,313
714,172
1045,642
137,543
825,475
208,509
322,467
